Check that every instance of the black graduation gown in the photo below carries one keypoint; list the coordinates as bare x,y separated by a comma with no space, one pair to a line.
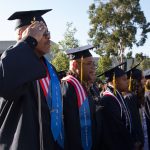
19,127
72,120
95,95
137,131
115,134
147,114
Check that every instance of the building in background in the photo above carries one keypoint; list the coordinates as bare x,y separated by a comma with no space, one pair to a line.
5,44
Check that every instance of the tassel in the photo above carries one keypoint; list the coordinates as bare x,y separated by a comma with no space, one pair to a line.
130,83
33,20
81,78
114,83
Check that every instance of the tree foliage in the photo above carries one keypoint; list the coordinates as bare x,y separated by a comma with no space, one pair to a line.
54,49
104,63
139,57
69,38
61,62
129,55
145,64
115,24
145,61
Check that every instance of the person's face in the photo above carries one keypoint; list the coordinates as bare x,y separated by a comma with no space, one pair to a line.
89,70
122,83
43,46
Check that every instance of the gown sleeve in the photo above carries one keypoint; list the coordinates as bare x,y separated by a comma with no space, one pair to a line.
19,65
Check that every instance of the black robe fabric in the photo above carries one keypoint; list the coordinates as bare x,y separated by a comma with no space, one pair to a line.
95,95
147,114
115,134
19,123
137,131
72,120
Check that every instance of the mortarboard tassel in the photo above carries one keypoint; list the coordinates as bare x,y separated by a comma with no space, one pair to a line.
130,82
114,83
81,78
33,20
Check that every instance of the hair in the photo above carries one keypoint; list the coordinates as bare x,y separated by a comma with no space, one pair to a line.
147,85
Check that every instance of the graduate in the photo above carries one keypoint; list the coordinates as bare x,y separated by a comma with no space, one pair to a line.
117,123
133,97
30,103
79,107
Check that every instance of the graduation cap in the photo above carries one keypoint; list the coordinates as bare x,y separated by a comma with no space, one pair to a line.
113,73
77,53
26,17
133,73
118,72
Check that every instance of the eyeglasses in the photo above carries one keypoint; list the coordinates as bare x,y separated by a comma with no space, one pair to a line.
46,33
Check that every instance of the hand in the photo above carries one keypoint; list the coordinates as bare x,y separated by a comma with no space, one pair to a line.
35,30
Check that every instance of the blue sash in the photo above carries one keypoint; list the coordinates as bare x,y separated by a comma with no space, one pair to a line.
85,123
84,112
54,100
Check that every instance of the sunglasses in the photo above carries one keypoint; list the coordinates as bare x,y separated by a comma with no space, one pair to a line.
46,33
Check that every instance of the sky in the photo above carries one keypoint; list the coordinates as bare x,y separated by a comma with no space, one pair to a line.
75,11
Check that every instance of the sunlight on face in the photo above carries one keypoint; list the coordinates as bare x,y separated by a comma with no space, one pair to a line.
89,69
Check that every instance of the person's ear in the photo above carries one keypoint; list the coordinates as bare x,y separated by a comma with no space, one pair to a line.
19,34
75,64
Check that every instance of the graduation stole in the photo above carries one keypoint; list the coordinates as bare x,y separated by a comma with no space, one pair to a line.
147,95
84,112
52,91
122,107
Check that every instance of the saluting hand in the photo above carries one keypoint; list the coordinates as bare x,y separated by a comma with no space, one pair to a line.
35,30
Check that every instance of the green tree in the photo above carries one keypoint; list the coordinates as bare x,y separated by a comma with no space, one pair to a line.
145,64
104,63
129,55
54,49
61,62
114,25
69,38
139,57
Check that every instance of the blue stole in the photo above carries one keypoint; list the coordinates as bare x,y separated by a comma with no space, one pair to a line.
85,123
54,101
84,112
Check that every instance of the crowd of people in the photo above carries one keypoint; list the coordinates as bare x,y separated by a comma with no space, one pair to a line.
43,110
